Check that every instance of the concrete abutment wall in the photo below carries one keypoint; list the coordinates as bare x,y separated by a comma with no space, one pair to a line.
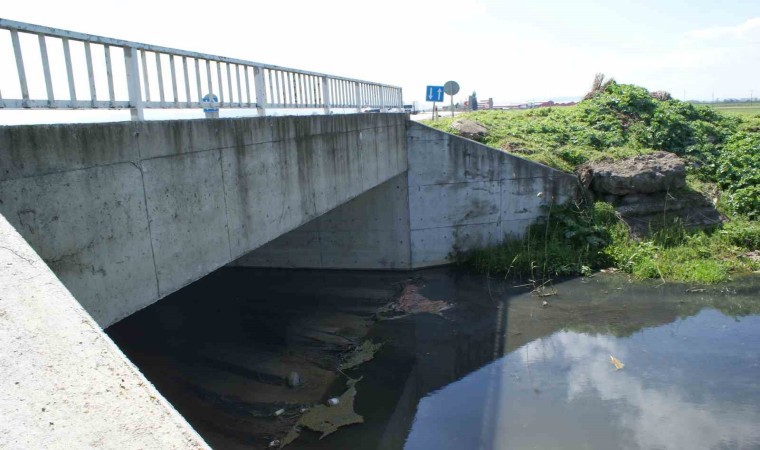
456,195
63,382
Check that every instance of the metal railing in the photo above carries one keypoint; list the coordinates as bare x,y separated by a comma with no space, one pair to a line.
160,77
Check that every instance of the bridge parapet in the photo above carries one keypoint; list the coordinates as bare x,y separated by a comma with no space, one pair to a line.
121,74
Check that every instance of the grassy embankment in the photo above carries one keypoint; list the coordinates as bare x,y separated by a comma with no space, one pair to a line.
723,154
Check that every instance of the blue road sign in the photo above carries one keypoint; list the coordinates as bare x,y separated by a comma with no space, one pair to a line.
434,94
210,99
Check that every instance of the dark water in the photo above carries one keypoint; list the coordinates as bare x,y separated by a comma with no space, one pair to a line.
498,370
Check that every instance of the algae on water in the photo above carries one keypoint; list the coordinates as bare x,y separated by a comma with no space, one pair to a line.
359,355
327,419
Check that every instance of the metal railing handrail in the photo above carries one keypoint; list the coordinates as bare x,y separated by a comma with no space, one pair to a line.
274,86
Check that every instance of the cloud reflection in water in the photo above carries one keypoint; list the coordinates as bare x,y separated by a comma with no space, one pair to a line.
562,392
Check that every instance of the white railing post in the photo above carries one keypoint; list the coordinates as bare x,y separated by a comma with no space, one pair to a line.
261,93
382,98
326,94
20,68
133,83
358,94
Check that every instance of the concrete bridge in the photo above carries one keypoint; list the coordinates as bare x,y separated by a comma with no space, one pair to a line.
98,221
127,213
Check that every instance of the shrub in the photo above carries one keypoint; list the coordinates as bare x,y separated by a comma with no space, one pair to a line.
738,172
742,233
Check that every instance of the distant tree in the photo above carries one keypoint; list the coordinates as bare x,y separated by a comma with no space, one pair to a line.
661,95
599,85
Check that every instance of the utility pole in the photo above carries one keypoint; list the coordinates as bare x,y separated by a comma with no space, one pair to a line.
750,97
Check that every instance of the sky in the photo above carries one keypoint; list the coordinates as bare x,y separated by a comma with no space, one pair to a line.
511,51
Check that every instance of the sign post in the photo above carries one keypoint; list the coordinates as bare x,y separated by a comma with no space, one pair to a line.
434,94
451,88
210,106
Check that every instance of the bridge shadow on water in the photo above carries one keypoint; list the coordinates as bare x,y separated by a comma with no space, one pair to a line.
223,349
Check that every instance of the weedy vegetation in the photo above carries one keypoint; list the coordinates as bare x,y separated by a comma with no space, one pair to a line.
618,121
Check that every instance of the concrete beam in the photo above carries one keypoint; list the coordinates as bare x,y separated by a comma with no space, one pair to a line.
91,227
127,213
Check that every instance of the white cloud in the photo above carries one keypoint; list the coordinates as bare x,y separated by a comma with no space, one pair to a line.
409,44
748,29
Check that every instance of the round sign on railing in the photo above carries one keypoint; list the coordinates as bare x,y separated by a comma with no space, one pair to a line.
451,87
208,101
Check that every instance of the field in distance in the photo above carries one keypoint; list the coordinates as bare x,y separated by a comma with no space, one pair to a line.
744,109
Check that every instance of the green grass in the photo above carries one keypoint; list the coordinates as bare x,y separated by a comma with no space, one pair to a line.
574,241
557,137
569,242
675,254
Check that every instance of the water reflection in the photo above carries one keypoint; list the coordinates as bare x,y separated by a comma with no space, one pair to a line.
689,384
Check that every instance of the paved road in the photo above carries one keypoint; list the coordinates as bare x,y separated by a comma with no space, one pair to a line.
429,115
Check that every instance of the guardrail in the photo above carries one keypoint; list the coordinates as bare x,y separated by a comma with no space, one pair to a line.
160,77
